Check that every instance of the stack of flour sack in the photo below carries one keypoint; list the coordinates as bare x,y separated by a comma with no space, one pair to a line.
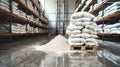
82,30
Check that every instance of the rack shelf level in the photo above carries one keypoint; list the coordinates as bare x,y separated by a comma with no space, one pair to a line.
20,18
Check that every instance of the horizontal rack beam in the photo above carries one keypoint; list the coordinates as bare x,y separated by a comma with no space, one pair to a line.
108,34
19,34
20,18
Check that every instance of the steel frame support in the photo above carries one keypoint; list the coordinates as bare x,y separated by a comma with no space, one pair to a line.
61,16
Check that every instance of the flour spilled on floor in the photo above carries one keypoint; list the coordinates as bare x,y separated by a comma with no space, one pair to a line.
59,55
57,45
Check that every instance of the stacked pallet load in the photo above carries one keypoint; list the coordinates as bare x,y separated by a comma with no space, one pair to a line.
82,31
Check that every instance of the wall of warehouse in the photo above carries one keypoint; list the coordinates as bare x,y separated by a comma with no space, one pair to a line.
50,7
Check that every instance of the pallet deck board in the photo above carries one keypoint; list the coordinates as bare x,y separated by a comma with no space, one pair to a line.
83,48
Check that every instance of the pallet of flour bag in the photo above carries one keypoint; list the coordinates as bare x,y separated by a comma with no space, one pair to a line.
82,31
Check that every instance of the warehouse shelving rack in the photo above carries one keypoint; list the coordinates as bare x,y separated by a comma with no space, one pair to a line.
14,17
110,19
29,10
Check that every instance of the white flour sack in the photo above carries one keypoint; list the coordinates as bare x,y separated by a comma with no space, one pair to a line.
72,36
82,14
97,29
112,29
78,27
91,44
93,36
82,19
70,42
75,32
90,27
78,23
94,33
76,36
91,41
76,41
115,32
72,21
85,30
85,35
88,23
68,31
70,27
112,26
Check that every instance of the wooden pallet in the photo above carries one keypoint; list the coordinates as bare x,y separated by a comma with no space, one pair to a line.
83,48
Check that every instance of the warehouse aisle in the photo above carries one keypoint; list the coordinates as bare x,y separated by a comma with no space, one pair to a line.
21,44
28,56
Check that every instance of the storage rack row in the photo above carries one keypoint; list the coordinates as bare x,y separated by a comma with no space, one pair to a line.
109,19
33,22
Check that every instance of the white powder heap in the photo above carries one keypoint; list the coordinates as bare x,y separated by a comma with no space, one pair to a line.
58,44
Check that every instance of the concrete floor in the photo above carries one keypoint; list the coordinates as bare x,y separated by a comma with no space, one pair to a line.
23,54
